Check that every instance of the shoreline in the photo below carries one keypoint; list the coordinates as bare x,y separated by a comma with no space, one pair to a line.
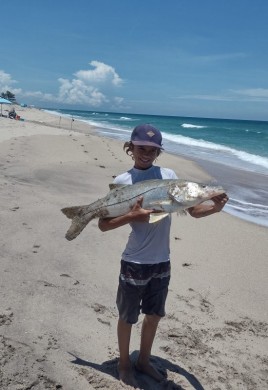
58,314
42,118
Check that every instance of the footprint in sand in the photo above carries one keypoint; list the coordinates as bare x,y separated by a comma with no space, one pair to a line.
247,325
196,300
6,317
104,321
68,276
102,310
36,247
98,308
52,343
186,264
46,284
14,208
97,381
14,353
26,225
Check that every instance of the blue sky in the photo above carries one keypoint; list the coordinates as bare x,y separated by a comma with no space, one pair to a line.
205,58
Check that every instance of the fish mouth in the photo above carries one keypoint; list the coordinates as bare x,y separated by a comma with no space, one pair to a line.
220,191
216,192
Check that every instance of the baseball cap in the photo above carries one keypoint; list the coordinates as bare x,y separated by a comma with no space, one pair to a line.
146,135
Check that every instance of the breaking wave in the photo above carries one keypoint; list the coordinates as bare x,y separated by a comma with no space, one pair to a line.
190,126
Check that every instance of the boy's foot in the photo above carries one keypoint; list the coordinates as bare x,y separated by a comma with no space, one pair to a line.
126,376
149,369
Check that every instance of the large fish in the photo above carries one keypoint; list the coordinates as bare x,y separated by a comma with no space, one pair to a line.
163,196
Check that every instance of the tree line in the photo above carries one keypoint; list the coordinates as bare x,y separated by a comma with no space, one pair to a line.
9,96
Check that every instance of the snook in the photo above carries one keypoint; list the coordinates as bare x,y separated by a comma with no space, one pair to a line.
163,196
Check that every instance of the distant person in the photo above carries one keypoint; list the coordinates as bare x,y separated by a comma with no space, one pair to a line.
145,265
12,113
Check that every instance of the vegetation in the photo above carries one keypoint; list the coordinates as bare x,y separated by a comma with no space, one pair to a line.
9,96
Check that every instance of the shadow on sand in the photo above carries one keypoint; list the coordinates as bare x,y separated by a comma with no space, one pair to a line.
164,366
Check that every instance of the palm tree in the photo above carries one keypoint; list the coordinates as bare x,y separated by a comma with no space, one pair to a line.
9,96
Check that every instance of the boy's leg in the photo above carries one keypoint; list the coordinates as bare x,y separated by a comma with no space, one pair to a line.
153,305
125,370
149,327
128,304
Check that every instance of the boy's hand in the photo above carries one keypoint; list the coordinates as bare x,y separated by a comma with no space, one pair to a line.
138,214
203,209
220,201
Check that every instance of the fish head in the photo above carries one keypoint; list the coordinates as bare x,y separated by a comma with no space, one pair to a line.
190,193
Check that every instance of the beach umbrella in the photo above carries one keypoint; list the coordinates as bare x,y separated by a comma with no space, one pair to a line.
4,101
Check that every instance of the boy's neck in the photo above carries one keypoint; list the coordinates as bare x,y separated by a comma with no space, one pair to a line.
142,169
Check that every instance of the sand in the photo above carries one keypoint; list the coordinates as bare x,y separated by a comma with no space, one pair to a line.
58,315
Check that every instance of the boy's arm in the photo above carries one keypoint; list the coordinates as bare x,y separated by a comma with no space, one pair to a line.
137,214
203,210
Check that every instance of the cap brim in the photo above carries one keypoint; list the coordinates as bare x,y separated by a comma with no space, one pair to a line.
147,143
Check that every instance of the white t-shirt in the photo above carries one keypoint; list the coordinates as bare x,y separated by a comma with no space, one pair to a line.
148,243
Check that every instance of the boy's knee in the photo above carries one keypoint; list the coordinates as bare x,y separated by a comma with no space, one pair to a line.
152,318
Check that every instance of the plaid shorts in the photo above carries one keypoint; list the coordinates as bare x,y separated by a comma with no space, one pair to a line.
142,288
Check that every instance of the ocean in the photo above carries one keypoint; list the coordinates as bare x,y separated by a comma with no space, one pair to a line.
233,152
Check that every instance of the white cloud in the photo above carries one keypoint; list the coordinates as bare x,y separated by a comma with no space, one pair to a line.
207,97
5,81
88,86
39,95
242,95
219,57
102,73
253,93
92,87
76,91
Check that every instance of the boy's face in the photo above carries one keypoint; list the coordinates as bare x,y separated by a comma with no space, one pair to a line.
144,156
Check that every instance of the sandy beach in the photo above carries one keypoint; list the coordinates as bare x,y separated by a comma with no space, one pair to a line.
58,315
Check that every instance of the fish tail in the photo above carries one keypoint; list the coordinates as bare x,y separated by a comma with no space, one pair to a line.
78,222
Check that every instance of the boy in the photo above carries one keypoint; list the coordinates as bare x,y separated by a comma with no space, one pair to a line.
145,265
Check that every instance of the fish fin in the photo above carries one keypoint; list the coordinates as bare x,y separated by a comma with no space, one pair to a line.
175,195
112,186
156,217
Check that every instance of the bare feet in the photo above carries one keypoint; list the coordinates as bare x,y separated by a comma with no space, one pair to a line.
148,369
126,376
